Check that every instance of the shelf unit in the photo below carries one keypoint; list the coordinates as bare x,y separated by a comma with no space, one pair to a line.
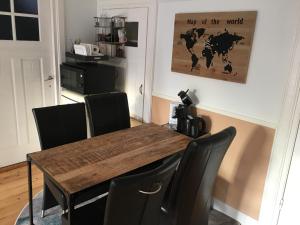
111,35
85,59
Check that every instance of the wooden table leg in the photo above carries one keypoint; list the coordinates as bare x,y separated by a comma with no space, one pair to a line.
30,192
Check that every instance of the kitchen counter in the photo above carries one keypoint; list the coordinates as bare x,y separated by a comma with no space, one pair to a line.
68,97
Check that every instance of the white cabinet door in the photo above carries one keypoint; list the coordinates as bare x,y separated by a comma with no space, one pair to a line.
136,59
27,80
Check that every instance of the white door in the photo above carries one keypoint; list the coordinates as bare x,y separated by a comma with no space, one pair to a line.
290,211
27,74
136,59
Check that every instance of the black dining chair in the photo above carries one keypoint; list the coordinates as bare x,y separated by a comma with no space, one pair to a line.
190,199
59,125
132,200
107,112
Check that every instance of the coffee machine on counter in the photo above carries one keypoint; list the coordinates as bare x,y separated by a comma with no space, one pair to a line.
188,122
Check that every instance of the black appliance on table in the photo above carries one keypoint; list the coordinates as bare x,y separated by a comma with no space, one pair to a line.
88,78
188,123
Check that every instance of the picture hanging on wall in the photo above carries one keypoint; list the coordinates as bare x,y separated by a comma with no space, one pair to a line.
214,45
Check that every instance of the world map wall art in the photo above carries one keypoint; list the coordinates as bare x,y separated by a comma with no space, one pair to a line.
214,45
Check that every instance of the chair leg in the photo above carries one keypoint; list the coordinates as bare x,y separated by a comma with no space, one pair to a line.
48,200
212,204
43,214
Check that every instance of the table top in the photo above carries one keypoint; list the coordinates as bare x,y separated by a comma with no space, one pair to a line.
77,166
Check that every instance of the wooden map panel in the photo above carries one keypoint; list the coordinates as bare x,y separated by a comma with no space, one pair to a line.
214,45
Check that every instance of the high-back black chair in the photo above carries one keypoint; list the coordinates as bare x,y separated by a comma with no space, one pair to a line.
132,200
191,193
58,125
107,112
61,124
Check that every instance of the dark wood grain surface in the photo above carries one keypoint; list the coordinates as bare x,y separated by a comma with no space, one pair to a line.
80,165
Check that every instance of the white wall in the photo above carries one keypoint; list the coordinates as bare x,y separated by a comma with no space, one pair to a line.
121,2
262,96
79,21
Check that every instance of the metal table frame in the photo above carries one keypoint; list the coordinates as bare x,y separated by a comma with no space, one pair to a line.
69,198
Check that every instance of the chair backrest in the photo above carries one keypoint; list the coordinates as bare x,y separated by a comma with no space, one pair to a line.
61,124
107,112
137,199
190,198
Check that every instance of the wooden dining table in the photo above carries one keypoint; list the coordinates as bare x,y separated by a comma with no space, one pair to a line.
82,165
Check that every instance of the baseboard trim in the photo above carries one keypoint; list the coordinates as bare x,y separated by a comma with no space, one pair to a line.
233,213
12,167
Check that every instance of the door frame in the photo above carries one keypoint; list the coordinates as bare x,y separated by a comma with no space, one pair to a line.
58,26
283,147
150,44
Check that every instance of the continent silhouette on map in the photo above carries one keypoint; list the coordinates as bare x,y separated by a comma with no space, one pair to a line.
220,44
190,38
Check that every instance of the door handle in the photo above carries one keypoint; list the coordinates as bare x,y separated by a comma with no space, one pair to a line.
49,78
141,89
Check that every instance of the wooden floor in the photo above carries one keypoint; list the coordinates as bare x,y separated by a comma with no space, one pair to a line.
14,190
133,123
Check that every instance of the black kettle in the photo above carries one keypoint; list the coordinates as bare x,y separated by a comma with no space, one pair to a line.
195,127
191,126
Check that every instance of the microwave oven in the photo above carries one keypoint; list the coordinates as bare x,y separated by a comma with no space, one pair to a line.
88,78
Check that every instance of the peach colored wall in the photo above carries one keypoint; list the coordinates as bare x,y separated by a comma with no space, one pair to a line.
243,172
